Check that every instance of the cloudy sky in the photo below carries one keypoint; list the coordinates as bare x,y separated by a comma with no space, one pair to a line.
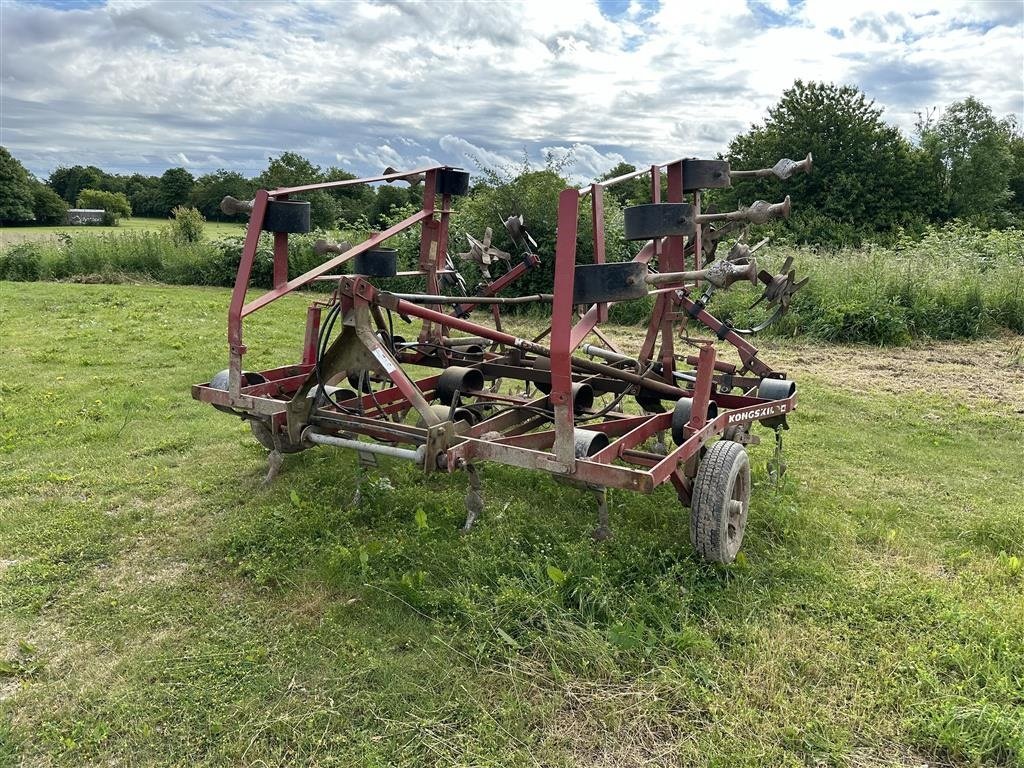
143,86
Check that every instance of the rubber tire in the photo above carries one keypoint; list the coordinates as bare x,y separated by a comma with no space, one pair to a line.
265,438
714,535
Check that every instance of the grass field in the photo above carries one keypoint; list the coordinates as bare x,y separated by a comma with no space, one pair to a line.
157,607
14,235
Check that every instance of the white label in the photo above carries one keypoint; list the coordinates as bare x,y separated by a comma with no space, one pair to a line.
385,360
756,413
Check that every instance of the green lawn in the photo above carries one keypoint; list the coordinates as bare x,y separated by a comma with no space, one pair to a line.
15,235
157,607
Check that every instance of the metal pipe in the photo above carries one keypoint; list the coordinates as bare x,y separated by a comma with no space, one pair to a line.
464,341
607,354
408,308
426,298
396,176
358,445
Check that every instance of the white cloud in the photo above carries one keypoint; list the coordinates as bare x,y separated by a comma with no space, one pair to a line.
139,85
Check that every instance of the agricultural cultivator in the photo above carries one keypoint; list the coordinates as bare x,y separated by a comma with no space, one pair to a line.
569,401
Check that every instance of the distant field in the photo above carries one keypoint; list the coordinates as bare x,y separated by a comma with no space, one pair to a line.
15,235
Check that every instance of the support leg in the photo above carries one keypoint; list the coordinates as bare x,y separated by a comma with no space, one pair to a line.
474,497
603,531
777,464
274,461
660,447
357,497
365,462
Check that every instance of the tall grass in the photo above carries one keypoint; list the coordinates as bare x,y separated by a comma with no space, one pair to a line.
149,255
955,282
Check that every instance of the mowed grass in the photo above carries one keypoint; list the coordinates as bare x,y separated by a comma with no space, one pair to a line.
158,607
14,235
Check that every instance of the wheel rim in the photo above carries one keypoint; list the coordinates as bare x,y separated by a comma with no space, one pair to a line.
736,509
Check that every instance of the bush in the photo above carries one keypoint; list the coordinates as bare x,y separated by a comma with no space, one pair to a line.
114,203
22,262
186,225
956,282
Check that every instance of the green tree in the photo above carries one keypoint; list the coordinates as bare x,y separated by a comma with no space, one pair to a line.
16,200
114,203
289,170
387,199
69,181
323,209
293,170
867,179
630,192
353,201
1016,182
175,188
973,152
47,206
143,193
211,188
533,194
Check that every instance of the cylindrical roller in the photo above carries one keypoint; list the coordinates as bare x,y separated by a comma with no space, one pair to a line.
607,354
220,379
618,281
470,352
287,216
681,417
582,397
458,378
705,174
463,418
655,220
452,182
776,389
379,262
587,442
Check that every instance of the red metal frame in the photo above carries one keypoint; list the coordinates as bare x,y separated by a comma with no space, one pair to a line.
531,432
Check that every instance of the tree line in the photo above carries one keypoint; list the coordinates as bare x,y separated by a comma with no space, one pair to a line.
26,200
870,181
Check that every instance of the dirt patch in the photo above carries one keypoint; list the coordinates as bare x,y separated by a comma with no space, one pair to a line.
976,372
968,372
983,371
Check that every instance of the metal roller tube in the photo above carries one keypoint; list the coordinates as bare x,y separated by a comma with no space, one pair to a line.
607,354
357,445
